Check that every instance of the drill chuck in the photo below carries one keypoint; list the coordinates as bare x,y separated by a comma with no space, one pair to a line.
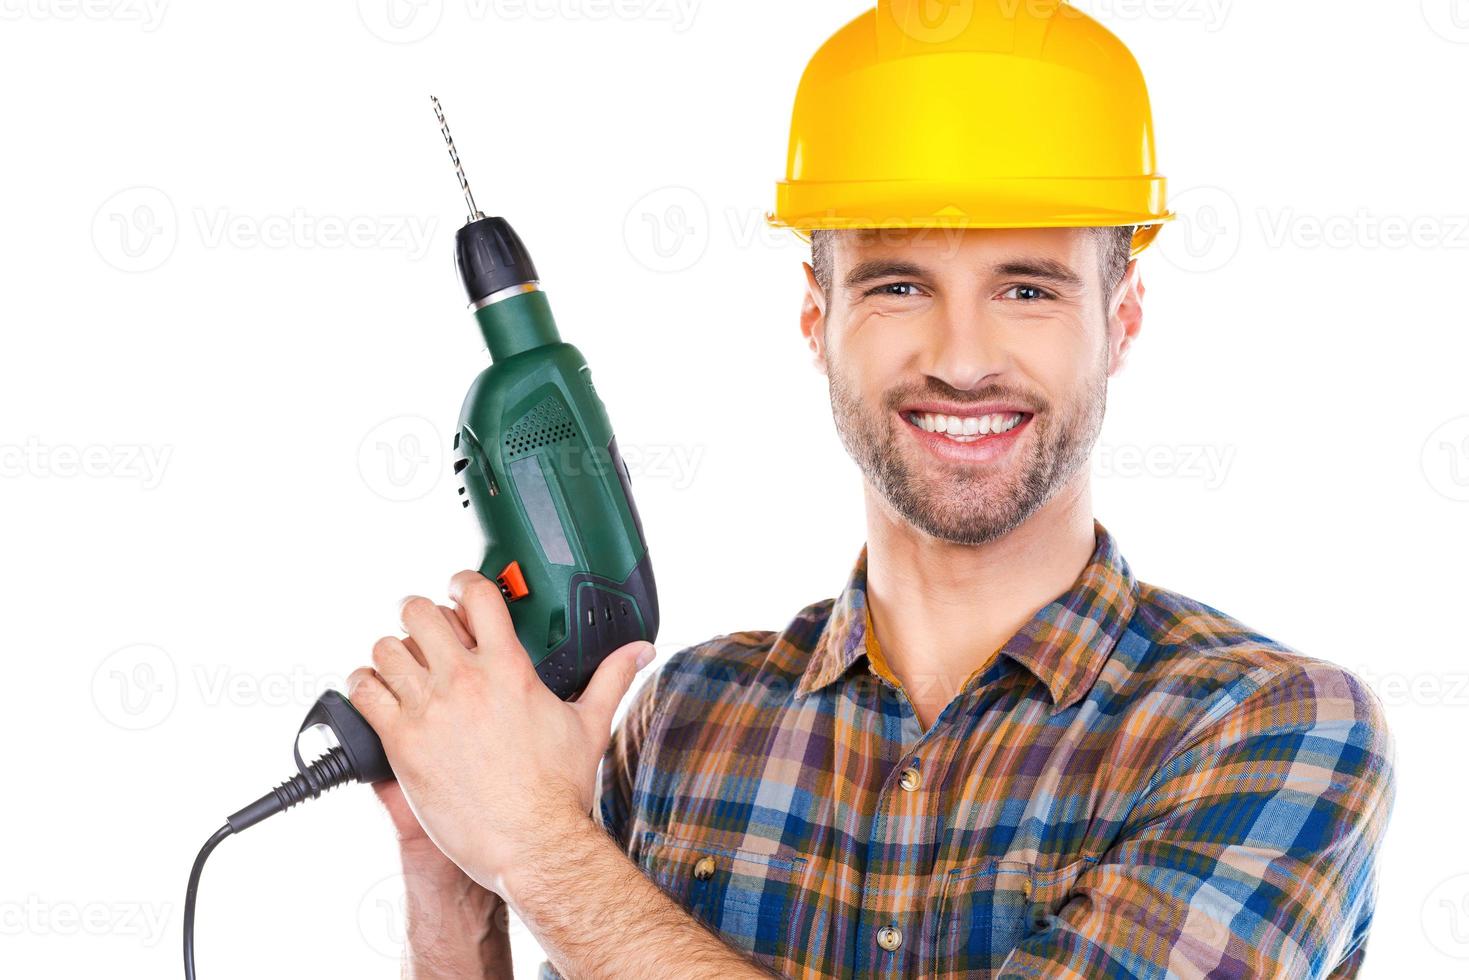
491,259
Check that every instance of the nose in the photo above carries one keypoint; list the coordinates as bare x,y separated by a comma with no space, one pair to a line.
965,347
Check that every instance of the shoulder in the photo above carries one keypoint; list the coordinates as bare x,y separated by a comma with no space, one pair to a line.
765,657
1223,678
734,678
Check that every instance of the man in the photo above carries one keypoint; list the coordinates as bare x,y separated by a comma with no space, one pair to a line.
995,752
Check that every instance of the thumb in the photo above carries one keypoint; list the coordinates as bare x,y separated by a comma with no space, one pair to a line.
610,683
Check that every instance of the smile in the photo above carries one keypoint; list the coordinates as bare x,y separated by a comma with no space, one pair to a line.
965,428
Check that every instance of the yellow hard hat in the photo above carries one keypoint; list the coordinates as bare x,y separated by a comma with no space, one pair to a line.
972,113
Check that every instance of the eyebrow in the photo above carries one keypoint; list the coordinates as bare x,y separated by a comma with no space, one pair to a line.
1048,270
872,269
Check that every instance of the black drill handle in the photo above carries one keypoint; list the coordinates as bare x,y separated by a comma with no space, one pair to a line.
357,757
358,742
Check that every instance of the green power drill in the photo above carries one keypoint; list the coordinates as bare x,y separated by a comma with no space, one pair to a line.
539,465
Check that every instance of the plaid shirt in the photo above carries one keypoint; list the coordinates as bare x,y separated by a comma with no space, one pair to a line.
1136,786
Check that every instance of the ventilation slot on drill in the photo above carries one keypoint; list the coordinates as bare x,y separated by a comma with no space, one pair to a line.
545,425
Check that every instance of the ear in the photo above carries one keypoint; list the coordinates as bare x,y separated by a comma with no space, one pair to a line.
1125,316
813,318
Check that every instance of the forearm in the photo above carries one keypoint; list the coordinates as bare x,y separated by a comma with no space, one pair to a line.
456,930
596,915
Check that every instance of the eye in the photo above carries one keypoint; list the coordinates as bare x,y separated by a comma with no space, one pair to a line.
1026,294
894,289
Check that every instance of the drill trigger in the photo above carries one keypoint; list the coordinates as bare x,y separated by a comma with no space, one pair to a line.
512,582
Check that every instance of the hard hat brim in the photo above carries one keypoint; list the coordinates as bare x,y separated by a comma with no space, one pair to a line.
1141,238
1019,203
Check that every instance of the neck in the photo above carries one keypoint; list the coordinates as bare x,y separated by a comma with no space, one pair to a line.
941,610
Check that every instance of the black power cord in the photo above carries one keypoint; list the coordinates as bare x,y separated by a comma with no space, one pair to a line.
193,893
357,757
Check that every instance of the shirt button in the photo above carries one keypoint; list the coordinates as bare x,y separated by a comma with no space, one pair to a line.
889,938
910,779
704,869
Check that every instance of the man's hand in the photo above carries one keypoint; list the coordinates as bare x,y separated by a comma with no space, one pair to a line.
455,927
410,833
487,756
499,774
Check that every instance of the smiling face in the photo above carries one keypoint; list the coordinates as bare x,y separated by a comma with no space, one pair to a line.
968,368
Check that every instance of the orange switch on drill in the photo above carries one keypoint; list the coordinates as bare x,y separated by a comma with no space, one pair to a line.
512,582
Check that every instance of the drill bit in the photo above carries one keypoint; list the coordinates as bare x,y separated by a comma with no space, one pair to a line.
474,213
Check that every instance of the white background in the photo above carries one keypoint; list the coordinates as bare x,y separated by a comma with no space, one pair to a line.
223,427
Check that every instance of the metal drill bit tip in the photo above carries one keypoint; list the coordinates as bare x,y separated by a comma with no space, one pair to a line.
474,213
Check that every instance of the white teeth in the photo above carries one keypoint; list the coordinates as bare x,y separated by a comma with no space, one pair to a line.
966,428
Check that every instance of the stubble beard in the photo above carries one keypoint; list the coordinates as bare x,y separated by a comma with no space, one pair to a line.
962,503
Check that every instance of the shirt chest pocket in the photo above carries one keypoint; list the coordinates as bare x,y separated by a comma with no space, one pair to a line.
989,907
745,895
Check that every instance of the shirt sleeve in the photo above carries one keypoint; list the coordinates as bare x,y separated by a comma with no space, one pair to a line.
1251,853
617,772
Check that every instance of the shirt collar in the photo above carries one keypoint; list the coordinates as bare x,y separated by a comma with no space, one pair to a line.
1064,644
